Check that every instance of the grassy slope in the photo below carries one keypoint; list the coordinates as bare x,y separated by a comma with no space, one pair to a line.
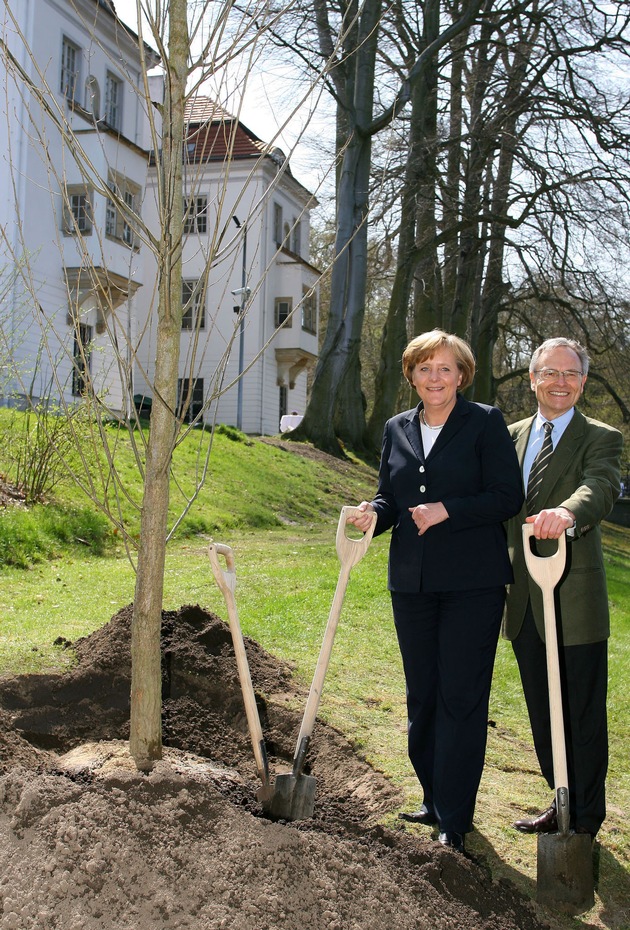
286,572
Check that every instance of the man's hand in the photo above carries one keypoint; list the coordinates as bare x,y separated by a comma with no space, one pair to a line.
552,523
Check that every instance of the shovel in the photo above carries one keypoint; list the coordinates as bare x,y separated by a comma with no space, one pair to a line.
226,580
293,795
565,860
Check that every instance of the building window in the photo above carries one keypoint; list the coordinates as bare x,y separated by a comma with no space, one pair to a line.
195,214
120,213
284,401
309,310
194,305
189,399
70,63
277,224
283,308
296,237
113,101
77,211
81,357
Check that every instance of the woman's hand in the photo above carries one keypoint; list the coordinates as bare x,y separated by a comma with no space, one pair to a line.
364,520
427,515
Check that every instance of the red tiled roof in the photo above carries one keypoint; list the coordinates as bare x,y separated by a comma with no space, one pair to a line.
213,134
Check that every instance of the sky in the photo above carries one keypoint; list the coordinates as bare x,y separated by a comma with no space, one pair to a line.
267,107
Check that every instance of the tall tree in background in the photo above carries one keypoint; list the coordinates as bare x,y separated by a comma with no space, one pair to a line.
336,407
514,152
519,194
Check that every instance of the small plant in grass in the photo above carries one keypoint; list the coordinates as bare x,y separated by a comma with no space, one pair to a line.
36,446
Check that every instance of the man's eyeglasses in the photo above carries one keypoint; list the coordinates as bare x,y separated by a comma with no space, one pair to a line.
552,374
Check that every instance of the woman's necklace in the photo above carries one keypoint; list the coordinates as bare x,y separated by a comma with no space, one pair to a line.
424,421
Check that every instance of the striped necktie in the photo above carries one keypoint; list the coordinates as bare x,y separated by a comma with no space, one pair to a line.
538,469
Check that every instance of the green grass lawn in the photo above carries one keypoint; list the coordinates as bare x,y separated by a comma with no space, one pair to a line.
281,524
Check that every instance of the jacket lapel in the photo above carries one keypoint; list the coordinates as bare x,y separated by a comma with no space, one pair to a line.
452,426
411,427
562,456
521,439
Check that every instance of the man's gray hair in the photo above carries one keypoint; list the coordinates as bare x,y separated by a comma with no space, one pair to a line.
561,343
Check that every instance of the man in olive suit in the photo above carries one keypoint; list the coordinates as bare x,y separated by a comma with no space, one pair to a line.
574,483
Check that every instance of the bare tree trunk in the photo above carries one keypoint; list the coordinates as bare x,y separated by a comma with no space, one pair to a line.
146,681
416,245
339,357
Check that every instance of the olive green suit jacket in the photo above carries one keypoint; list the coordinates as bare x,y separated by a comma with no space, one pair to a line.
584,476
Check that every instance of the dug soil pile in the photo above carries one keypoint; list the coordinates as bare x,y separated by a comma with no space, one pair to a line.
88,843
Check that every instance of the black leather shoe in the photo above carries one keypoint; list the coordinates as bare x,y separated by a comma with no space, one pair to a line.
452,840
423,816
547,822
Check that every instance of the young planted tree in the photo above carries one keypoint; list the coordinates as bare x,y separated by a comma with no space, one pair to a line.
82,158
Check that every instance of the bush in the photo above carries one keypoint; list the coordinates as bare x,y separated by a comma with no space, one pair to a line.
39,445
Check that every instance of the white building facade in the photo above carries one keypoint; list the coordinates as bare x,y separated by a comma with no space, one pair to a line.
77,278
249,332
70,161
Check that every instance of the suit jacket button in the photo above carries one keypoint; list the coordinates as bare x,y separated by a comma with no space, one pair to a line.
421,469
422,488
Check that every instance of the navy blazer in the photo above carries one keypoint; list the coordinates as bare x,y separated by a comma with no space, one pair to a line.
473,469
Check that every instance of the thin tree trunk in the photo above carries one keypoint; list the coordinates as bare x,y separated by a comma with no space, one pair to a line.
146,679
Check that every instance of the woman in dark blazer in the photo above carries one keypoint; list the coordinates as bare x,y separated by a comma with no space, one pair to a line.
449,477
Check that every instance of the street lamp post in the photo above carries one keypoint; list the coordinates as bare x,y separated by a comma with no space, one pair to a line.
244,291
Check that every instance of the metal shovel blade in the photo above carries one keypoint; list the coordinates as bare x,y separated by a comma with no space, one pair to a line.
565,872
293,797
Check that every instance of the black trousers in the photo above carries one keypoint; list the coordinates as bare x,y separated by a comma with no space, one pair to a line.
448,644
584,679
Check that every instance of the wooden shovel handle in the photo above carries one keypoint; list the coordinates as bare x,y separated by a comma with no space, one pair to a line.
547,572
350,552
226,581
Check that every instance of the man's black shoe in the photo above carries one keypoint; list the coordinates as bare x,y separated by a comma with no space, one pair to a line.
547,822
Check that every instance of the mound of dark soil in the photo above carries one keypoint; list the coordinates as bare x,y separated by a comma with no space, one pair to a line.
89,843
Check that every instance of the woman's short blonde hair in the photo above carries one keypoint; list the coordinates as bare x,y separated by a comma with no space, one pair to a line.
425,346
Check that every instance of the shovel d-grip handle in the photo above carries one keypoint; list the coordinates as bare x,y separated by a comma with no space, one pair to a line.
226,581
547,572
350,552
